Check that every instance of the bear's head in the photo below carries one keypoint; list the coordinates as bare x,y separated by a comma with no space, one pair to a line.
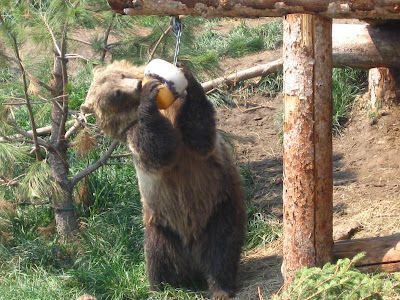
114,97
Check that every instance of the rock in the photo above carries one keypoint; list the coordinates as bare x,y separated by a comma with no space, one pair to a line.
346,231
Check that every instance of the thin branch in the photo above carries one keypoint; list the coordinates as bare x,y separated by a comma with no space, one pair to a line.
20,103
28,135
10,182
61,132
54,100
32,203
101,162
73,55
27,99
158,43
42,131
120,164
52,34
121,156
77,124
43,84
9,58
80,41
105,41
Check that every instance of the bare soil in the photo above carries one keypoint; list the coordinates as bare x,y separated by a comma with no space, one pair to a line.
366,173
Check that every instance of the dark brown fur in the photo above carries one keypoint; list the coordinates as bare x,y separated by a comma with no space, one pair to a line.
193,200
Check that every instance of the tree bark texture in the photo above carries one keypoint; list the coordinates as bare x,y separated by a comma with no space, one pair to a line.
383,86
381,253
307,160
358,9
64,209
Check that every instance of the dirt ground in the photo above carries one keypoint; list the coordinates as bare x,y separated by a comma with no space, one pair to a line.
366,173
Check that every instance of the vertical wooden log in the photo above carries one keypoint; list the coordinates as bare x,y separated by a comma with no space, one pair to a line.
307,178
383,86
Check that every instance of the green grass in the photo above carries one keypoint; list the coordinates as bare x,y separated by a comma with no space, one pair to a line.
37,284
262,227
241,40
346,84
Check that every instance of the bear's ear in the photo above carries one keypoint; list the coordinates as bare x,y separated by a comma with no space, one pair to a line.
98,69
87,108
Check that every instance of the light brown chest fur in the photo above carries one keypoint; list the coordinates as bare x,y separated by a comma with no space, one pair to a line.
184,195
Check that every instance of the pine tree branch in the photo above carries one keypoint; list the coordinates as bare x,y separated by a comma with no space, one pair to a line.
10,182
41,131
9,58
27,99
80,41
61,132
74,55
78,123
51,34
43,84
106,36
101,162
158,43
28,135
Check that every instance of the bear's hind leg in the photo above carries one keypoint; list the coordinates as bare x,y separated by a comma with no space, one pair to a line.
222,244
167,261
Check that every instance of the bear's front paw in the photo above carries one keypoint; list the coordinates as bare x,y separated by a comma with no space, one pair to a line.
220,295
186,71
150,89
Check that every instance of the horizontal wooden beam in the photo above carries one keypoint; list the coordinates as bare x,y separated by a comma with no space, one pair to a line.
358,9
381,252
364,46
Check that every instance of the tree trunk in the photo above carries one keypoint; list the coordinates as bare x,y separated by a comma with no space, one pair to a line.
383,86
307,159
64,208
357,9
381,253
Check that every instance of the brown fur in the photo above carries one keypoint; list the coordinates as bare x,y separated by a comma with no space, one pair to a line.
119,76
193,200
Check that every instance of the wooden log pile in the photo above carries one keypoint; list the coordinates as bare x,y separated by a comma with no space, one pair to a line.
382,253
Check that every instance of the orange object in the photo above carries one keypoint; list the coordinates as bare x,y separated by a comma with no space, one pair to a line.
173,81
165,96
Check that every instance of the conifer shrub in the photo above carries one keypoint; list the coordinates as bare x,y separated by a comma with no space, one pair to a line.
342,281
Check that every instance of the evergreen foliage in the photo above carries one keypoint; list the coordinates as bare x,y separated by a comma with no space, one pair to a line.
341,281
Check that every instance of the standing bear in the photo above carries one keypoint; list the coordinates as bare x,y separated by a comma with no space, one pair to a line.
193,200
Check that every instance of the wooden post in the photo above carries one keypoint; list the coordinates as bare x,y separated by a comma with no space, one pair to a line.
307,179
383,86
